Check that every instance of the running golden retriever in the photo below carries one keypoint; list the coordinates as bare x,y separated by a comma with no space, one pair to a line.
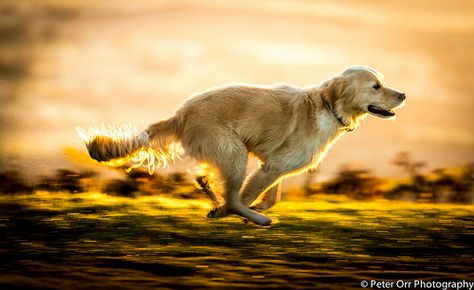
288,129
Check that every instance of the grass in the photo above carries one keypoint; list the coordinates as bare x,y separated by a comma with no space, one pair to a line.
92,240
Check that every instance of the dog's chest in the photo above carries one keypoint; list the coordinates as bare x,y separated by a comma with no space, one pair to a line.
327,132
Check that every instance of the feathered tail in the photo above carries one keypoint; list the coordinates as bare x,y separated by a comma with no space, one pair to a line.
122,146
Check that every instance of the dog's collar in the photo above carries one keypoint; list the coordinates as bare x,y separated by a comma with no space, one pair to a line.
339,119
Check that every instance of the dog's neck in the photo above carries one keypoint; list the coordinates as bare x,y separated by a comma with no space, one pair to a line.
330,108
338,107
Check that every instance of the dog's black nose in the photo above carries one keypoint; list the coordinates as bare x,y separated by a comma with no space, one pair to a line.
402,96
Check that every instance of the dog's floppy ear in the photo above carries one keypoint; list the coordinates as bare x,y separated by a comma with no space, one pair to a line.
339,88
340,93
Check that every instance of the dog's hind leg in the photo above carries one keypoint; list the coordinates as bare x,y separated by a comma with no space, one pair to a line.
270,198
203,182
229,155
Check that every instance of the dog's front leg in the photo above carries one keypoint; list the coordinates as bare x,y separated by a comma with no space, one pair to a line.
270,198
259,182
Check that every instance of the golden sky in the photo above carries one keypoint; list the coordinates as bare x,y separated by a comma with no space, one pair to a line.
82,63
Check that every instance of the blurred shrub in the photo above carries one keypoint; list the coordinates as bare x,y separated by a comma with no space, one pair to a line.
454,188
139,182
120,187
439,186
65,180
358,184
12,182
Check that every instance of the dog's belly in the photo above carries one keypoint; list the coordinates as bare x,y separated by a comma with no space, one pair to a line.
291,159
301,150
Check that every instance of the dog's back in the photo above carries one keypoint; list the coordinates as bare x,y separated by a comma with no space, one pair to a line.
258,115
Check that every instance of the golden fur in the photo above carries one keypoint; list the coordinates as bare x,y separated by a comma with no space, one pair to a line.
288,129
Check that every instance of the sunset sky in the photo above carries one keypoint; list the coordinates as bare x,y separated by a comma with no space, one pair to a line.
82,63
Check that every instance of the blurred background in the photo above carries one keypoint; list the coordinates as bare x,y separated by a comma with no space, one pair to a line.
82,63
392,200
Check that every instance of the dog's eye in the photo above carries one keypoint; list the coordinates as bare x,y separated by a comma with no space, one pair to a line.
376,86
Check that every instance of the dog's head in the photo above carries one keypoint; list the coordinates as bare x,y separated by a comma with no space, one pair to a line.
371,94
361,90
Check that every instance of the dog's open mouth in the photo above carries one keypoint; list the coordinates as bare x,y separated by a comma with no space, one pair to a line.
380,112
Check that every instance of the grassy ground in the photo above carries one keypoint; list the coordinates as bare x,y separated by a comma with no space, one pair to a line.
91,240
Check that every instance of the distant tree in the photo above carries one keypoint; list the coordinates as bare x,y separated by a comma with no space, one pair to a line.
358,184
121,187
419,186
68,180
12,182
467,183
406,162
443,186
467,176
454,188
65,180
401,192
159,183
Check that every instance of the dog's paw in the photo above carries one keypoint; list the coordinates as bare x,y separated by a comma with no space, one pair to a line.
218,213
257,208
263,221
